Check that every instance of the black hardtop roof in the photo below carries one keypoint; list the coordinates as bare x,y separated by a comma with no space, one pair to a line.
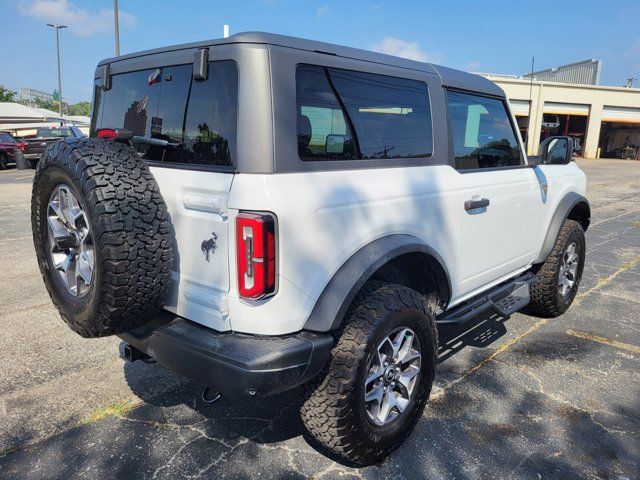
449,76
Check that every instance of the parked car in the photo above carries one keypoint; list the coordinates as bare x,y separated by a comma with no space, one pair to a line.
261,212
8,148
36,144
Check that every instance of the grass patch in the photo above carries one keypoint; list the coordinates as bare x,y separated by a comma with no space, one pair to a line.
117,409
635,223
8,451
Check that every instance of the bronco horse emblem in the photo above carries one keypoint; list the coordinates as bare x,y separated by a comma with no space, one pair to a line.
209,246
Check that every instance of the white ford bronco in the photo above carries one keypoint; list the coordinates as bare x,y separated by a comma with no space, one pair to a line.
261,212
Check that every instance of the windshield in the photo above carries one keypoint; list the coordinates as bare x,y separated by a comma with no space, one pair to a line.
54,132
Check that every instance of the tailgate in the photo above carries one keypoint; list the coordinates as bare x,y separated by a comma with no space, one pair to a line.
197,203
36,146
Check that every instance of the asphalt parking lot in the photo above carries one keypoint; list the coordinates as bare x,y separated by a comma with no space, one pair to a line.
518,398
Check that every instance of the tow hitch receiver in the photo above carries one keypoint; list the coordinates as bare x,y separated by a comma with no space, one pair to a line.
130,353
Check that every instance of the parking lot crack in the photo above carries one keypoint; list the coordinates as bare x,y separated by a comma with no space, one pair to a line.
562,401
607,280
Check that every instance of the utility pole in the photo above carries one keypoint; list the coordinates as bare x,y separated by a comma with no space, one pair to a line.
533,62
58,27
116,27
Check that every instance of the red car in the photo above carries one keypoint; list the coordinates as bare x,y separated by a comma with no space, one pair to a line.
8,148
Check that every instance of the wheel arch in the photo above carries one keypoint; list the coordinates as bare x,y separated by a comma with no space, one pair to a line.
399,258
572,206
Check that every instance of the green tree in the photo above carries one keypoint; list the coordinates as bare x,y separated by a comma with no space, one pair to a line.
7,95
80,108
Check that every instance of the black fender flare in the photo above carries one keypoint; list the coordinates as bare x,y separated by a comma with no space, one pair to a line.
338,294
563,209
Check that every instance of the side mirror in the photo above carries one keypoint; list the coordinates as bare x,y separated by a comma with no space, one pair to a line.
334,143
556,151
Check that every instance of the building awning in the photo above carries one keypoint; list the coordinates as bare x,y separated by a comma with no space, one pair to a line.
620,114
519,108
566,108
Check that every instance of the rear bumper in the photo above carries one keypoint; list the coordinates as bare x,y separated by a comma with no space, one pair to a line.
237,365
31,156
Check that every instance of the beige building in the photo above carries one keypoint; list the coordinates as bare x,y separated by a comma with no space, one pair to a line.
604,121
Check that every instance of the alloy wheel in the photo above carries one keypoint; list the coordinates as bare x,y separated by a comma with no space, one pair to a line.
568,270
392,374
70,242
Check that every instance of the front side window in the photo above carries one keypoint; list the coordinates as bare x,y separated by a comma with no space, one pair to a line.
195,120
482,134
349,115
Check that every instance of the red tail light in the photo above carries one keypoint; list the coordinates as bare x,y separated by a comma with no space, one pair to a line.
107,133
117,133
256,254
22,146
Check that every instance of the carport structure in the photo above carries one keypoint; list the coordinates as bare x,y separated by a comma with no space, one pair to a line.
22,120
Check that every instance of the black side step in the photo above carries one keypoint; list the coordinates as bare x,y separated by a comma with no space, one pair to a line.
503,300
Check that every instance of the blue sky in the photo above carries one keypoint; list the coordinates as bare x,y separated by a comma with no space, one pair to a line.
488,36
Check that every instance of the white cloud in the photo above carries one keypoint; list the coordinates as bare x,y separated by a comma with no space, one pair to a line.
472,66
402,48
81,22
323,10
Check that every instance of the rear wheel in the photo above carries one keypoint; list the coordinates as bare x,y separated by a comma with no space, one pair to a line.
3,161
558,278
380,376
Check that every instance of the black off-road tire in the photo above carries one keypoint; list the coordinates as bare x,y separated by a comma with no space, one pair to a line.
334,412
546,300
130,232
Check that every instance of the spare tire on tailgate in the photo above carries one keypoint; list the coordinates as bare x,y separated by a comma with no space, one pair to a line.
101,234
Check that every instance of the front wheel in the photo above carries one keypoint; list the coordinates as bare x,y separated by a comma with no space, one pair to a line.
380,375
559,276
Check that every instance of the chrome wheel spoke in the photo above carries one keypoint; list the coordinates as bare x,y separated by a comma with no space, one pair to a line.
388,403
405,342
406,380
57,227
375,395
84,268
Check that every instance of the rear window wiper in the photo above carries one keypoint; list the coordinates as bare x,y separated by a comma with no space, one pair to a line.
158,142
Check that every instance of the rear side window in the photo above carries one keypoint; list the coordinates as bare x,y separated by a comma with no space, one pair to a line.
482,134
349,115
6,138
196,121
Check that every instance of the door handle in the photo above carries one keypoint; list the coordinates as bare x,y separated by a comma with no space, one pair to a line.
473,204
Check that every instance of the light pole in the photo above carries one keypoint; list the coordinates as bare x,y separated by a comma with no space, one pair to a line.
58,27
116,27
